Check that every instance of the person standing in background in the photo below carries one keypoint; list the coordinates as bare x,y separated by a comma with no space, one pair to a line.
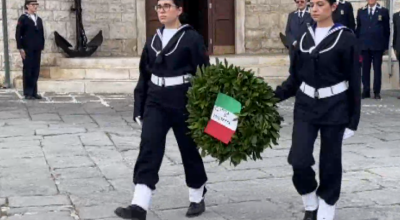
297,24
396,37
344,14
373,33
30,43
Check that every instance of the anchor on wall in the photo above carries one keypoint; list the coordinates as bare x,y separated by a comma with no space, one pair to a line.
82,48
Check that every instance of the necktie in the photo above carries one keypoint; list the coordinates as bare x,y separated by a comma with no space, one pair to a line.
370,13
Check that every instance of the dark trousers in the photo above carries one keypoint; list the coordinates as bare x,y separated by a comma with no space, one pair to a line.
31,71
330,166
156,123
374,57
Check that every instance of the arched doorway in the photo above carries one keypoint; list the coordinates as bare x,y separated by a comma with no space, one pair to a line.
214,19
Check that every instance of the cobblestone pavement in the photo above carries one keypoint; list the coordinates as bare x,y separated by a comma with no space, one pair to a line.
71,156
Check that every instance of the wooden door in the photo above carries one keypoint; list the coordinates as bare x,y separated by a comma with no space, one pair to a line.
152,23
222,26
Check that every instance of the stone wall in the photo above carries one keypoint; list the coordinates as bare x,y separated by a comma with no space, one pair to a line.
116,18
266,18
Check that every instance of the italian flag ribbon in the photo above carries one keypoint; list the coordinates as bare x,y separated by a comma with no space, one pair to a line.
224,121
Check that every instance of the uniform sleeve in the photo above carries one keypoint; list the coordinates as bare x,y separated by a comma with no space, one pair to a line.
44,40
288,32
395,30
290,86
352,22
140,92
199,53
386,27
358,29
353,69
19,32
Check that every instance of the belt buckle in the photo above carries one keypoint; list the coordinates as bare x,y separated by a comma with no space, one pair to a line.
186,79
162,84
316,94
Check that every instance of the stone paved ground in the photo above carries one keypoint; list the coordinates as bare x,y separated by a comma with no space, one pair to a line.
71,156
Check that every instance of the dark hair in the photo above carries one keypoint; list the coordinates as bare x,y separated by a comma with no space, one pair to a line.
183,18
26,5
331,2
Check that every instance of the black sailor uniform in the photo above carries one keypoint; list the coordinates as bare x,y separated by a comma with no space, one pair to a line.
334,60
162,107
30,38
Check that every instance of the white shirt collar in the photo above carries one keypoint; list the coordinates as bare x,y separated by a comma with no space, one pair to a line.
373,8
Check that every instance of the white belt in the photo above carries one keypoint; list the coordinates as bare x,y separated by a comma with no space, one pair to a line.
324,92
170,81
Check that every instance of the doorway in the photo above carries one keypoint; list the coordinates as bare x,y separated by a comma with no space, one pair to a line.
213,19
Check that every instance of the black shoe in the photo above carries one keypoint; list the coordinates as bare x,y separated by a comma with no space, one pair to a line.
196,209
310,215
132,212
377,96
29,97
366,95
37,96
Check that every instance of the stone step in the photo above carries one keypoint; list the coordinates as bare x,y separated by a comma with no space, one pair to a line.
82,86
108,74
133,62
102,86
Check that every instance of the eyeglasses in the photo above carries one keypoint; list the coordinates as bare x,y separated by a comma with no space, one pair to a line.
165,7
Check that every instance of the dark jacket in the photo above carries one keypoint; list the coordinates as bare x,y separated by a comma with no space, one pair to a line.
344,14
396,30
334,60
374,33
182,55
296,26
29,36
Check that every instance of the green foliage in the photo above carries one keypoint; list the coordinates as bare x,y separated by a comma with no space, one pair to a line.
259,120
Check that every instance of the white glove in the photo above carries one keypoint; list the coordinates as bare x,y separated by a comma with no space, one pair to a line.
139,121
348,133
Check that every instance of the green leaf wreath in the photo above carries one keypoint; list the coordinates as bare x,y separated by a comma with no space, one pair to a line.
259,120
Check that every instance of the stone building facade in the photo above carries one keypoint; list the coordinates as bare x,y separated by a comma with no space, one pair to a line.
123,22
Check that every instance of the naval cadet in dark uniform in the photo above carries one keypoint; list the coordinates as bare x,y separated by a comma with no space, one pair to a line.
326,81
297,24
169,59
344,14
30,42
373,32
396,37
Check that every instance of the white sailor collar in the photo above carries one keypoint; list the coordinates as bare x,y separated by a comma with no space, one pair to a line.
341,1
311,31
159,34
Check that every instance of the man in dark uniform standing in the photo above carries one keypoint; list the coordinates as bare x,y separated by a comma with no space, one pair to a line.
297,24
373,32
344,14
396,37
30,42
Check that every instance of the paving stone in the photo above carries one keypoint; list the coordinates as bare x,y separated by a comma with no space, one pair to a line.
70,162
19,144
23,163
83,186
104,155
46,117
252,211
63,151
126,142
112,198
10,132
235,175
97,212
16,202
180,213
44,216
76,119
2,201
96,139
77,173
115,170
16,152
60,131
27,187
39,210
